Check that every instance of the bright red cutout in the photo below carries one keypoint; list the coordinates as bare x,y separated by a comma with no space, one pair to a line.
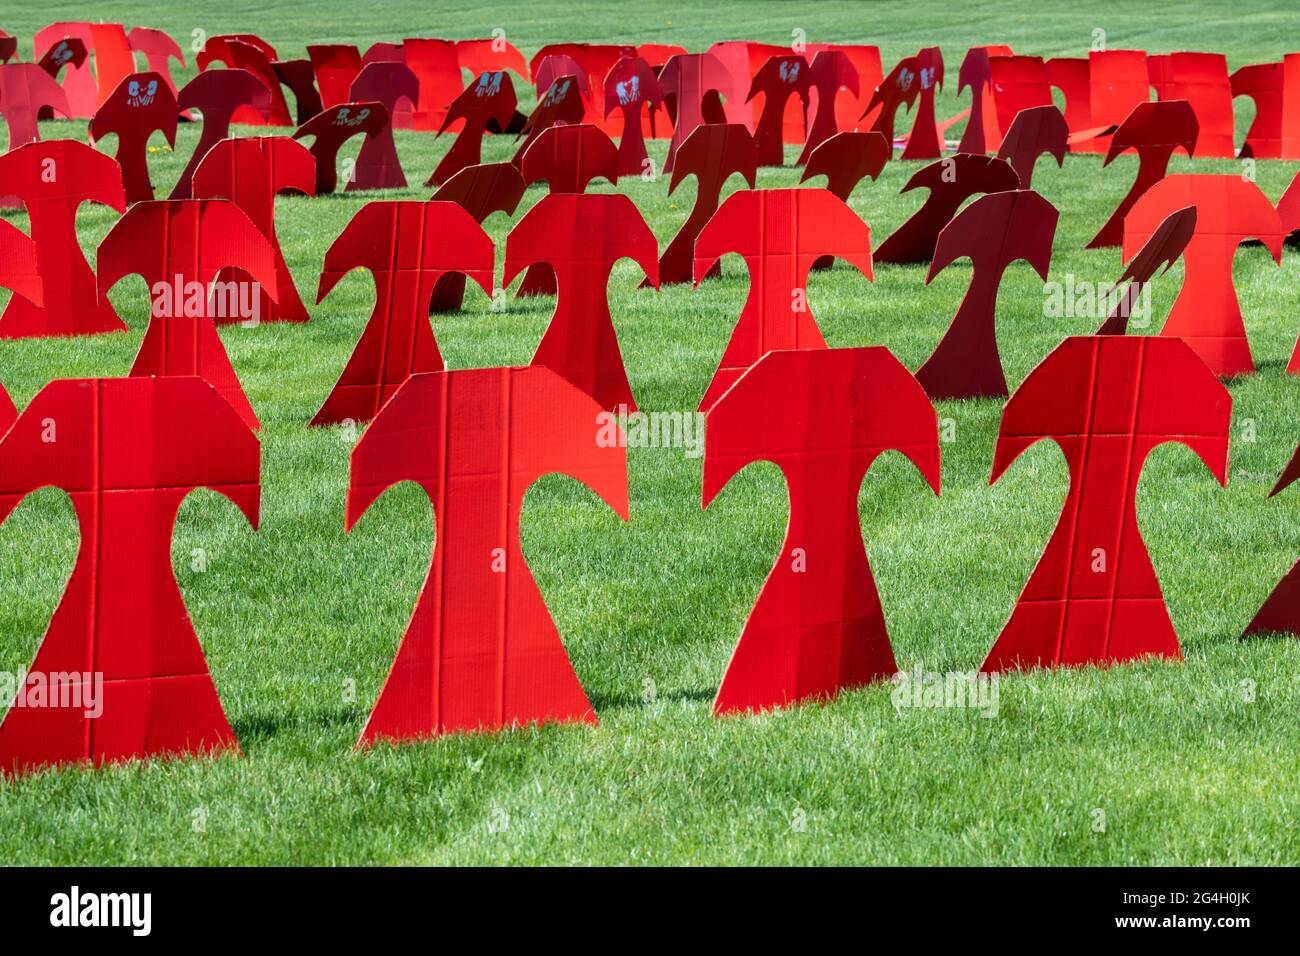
251,172
823,416
580,237
1229,210
982,133
780,78
180,247
561,104
127,451
629,85
407,247
1202,80
780,233
1107,401
63,279
490,97
481,652
1275,90
924,142
830,72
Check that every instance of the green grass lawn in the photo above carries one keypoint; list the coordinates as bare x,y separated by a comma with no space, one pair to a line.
1190,763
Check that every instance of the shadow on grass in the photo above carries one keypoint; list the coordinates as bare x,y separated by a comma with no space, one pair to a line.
624,701
261,727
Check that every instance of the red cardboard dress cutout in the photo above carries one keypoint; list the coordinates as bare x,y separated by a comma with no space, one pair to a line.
242,52
568,158
251,172
561,103
1037,130
780,78
993,232
629,85
982,133
951,181
128,452
830,72
378,166
334,126
481,652
924,142
823,416
63,280
141,105
780,233
480,191
1107,401
218,95
180,247
1229,210
1017,83
489,97
407,247
712,154
899,88
68,52
580,237
689,84
1154,131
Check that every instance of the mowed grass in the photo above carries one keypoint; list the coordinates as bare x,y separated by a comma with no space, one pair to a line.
1192,762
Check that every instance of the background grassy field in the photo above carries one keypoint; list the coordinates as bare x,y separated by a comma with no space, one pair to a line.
1190,763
